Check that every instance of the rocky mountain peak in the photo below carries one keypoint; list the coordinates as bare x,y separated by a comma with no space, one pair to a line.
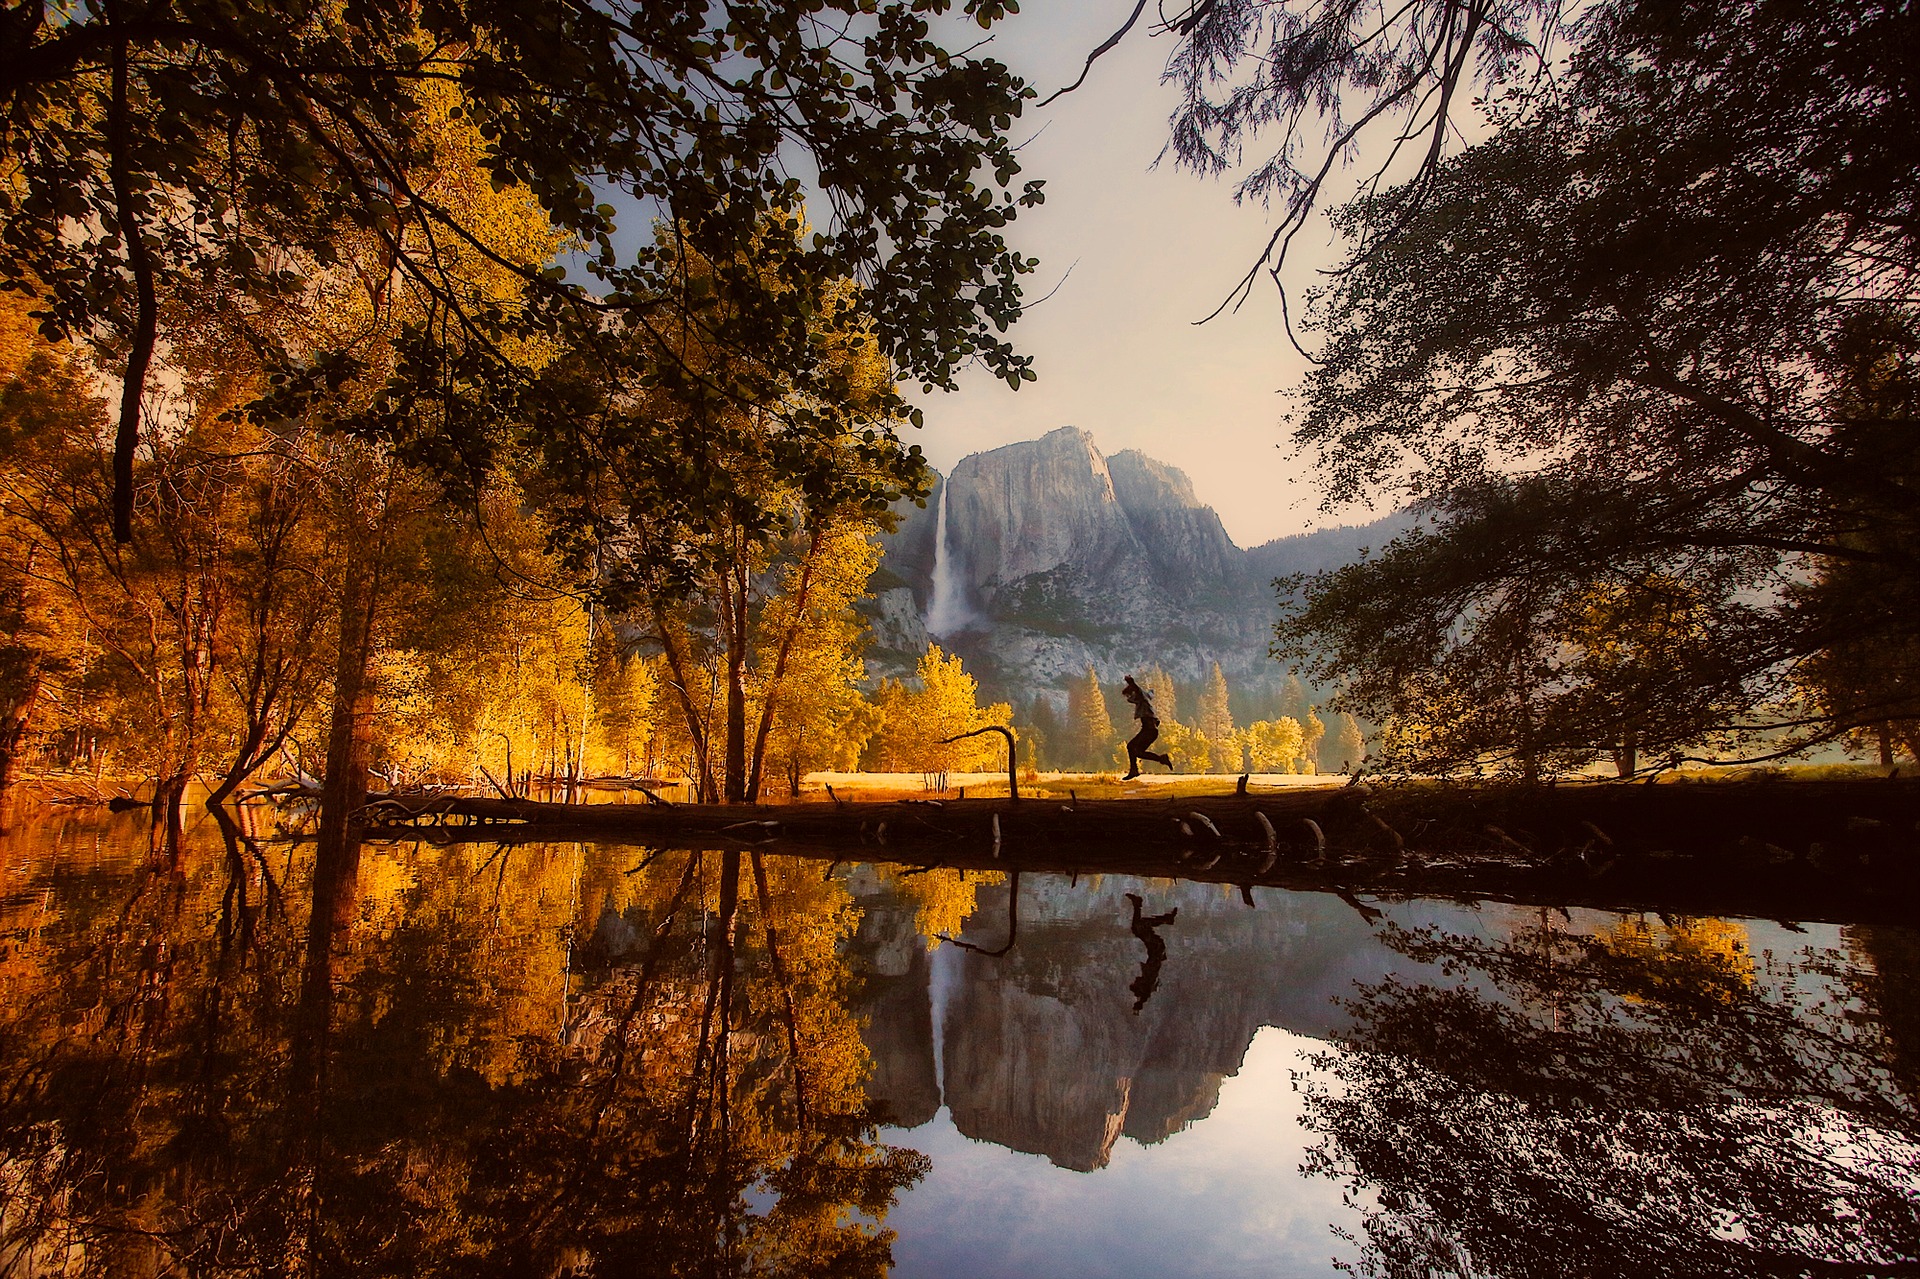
1143,484
1033,507
1063,557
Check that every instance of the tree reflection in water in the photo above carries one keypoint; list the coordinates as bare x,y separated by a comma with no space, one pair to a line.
431,1070
1642,1100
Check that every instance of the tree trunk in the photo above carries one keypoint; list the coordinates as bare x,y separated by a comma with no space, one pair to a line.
1884,731
771,696
702,782
1627,759
734,621
246,761
736,723
15,727
350,727
1523,705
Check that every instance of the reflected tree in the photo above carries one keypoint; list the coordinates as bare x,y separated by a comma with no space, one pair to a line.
410,1060
1641,1100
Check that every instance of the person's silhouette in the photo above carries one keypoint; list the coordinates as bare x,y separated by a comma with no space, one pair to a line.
1149,729
1143,926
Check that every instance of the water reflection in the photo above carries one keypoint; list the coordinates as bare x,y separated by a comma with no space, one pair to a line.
408,1066
225,1051
1640,1098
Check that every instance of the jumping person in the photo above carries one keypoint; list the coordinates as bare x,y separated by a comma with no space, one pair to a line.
1149,729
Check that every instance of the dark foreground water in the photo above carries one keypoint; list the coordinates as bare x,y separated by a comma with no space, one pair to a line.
597,1060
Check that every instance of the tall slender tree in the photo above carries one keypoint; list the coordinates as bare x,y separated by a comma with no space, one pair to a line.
1089,729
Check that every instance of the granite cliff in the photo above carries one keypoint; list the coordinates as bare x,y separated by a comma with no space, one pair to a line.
1053,557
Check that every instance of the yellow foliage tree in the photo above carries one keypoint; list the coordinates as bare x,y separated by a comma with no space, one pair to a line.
1274,745
1679,959
915,723
1189,748
942,898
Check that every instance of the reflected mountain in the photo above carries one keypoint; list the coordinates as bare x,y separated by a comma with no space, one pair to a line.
892,970
1043,1049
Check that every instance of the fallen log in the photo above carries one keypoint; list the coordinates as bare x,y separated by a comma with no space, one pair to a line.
1761,848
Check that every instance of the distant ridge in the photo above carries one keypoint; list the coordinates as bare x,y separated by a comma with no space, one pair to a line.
1325,548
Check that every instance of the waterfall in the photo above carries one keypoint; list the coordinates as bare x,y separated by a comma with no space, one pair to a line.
947,612
942,982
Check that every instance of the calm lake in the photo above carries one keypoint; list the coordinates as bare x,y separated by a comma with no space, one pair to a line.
579,1059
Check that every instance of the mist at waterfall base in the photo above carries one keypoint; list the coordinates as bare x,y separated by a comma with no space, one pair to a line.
948,611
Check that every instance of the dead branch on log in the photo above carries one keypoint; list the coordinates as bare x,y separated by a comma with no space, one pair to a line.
1013,779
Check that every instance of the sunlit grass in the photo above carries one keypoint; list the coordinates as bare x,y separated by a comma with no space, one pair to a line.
868,788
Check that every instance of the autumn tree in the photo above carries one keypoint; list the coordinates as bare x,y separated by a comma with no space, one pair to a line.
1190,750
1213,720
811,712
208,626
1274,745
154,149
1312,732
1089,731
626,687
41,644
915,722
783,511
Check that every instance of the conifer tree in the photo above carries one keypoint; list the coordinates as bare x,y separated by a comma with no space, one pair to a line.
1349,745
1214,717
1158,686
1214,721
1042,734
1293,699
1089,731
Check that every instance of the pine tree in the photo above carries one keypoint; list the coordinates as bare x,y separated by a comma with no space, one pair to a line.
1293,699
1349,745
1043,735
1158,686
1214,721
1214,716
1089,734
1312,731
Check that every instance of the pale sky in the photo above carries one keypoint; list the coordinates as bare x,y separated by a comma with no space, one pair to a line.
1151,250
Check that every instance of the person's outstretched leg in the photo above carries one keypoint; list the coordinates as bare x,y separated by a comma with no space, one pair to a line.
1137,748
